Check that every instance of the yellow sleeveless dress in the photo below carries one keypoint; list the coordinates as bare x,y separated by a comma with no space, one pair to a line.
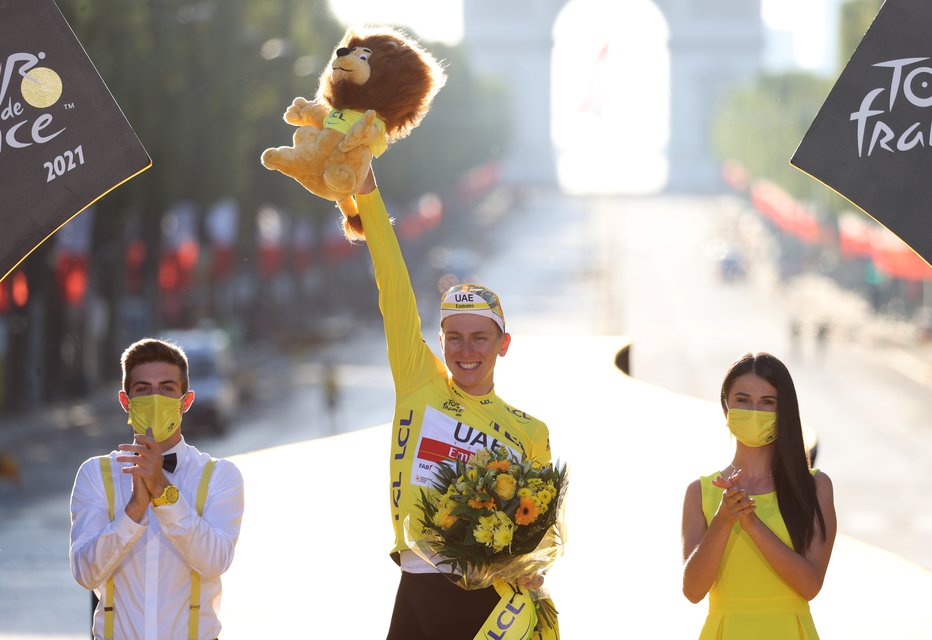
748,600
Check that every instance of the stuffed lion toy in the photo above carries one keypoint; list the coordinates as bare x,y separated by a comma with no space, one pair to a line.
378,87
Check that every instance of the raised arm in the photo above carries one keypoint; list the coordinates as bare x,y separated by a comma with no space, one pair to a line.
410,358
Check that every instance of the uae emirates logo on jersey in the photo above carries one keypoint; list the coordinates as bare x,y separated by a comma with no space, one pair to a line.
444,439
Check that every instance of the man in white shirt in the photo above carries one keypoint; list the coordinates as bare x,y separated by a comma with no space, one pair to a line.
154,524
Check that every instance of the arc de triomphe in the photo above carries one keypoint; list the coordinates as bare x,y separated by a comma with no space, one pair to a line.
713,46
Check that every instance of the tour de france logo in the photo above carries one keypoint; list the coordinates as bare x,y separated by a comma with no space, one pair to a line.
40,87
908,87
25,120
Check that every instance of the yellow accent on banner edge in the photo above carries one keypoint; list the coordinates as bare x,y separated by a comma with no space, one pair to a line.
72,217
860,208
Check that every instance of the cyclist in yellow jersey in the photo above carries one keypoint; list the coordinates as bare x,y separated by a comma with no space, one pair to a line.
444,410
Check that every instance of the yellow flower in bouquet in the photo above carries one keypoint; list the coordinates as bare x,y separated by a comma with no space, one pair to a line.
545,495
483,534
481,458
487,503
502,538
505,485
494,531
500,465
444,518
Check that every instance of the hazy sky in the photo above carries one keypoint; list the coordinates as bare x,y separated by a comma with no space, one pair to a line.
438,20
809,21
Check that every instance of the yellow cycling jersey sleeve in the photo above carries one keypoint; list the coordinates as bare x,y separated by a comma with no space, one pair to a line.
411,360
435,422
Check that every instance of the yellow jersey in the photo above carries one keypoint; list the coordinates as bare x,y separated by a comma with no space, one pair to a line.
435,421
343,121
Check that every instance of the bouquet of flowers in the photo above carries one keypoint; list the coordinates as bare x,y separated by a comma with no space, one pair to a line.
494,517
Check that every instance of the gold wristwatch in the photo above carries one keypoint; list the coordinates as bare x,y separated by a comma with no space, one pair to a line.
169,496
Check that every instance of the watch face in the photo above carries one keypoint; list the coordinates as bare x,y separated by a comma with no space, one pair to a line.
169,496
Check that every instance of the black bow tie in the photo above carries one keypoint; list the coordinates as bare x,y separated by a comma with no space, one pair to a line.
169,462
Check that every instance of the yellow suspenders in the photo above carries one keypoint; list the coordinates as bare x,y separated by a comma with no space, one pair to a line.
194,612
195,603
108,599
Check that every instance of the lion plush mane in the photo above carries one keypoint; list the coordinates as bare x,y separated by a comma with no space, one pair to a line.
403,81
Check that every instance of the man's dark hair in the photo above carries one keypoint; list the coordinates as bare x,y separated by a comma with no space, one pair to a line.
152,350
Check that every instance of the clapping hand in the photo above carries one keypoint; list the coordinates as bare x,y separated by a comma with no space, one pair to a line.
736,503
149,481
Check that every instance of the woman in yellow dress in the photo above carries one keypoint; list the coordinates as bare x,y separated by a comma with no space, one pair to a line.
758,535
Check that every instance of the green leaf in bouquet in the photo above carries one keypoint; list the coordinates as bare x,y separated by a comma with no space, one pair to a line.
444,477
428,505
470,538
546,614
458,530
510,508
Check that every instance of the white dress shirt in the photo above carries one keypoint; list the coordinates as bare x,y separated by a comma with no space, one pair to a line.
151,561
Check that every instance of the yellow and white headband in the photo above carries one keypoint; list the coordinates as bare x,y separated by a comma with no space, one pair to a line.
474,299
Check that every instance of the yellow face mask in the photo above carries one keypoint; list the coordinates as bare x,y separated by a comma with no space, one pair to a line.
160,413
753,428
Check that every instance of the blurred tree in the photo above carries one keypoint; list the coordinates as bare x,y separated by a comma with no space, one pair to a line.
855,16
761,124
203,82
204,85
117,37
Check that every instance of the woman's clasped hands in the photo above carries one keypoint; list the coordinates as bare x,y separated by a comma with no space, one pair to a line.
736,504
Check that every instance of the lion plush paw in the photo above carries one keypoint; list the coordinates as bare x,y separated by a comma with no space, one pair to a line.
303,113
340,178
364,132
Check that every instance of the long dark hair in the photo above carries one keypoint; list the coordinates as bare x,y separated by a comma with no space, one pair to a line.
795,486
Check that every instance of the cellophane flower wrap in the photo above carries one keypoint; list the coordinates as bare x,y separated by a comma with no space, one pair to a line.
494,517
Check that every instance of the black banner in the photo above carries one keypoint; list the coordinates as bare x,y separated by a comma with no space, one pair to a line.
64,143
872,139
